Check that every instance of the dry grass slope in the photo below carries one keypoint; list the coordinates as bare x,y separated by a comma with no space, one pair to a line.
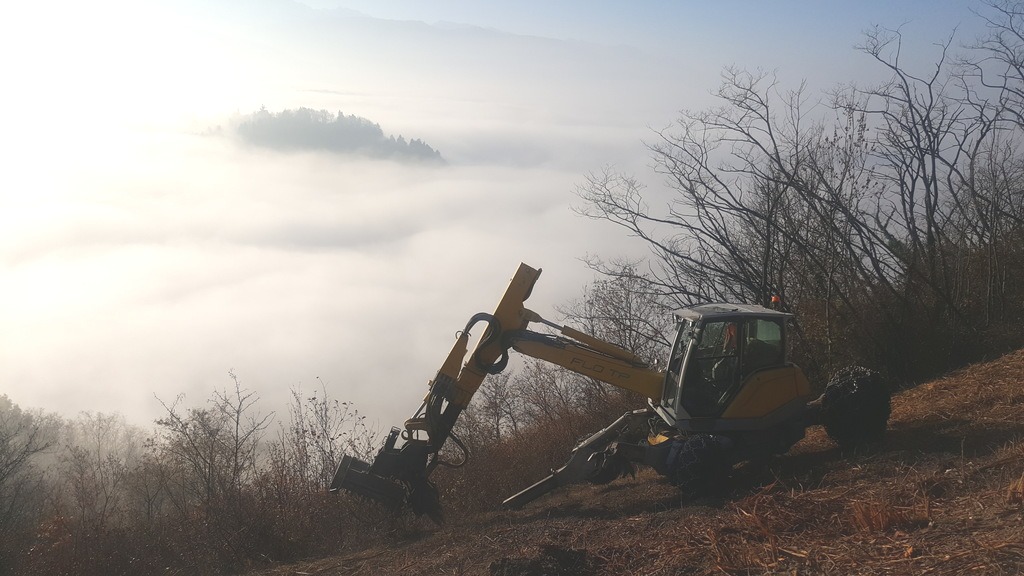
944,495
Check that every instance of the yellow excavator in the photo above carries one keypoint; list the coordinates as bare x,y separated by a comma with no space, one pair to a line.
727,394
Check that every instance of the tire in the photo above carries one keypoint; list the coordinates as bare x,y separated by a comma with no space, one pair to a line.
612,468
855,407
697,465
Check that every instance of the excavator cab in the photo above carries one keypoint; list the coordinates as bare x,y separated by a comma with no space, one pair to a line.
728,368
729,362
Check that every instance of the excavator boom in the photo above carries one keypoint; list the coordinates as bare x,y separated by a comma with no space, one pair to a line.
399,474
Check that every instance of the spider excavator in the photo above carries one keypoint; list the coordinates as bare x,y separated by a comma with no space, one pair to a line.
726,395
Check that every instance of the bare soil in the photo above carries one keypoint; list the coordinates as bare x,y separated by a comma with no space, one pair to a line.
944,494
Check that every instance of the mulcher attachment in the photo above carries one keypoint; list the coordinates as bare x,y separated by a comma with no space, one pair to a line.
354,475
397,478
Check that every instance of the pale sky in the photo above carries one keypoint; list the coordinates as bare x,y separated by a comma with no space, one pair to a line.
141,256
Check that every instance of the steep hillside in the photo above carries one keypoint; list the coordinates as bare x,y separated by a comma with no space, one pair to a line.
943,495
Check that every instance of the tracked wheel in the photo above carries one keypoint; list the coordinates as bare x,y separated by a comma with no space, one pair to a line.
698,464
612,468
855,407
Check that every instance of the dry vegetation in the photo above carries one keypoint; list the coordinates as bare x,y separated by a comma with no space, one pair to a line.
942,495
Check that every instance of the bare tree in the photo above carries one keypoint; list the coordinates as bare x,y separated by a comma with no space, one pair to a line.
872,215
101,451
24,436
147,488
993,203
215,448
766,201
319,432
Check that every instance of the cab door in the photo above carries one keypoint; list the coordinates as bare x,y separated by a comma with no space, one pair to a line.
713,369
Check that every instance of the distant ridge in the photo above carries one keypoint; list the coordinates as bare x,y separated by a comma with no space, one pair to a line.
308,129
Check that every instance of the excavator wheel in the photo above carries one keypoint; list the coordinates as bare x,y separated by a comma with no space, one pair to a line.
855,407
697,464
612,468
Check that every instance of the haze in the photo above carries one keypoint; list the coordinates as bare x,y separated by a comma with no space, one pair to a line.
144,252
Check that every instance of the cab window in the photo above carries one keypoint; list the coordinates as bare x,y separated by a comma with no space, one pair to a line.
762,346
675,364
713,369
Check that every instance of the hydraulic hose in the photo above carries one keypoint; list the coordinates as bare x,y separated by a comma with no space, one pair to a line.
492,335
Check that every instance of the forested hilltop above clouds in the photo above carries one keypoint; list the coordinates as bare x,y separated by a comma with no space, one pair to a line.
308,129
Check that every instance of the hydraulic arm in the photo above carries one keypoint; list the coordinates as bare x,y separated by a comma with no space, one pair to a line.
399,474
